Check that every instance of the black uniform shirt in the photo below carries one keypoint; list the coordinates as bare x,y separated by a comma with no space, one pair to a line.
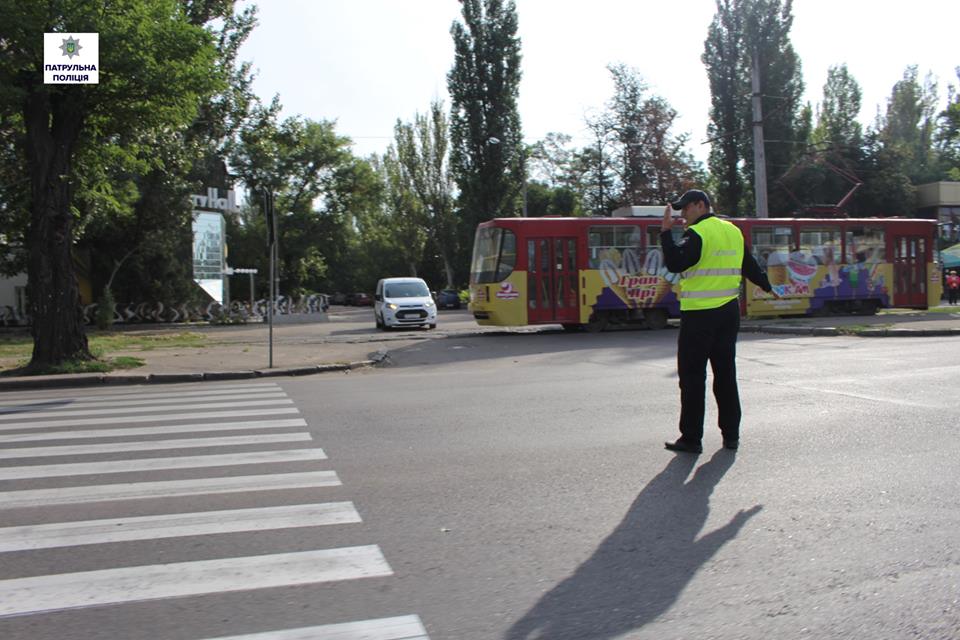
680,256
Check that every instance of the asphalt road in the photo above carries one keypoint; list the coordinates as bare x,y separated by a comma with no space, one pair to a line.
517,487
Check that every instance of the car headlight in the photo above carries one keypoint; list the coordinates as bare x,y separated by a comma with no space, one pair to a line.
428,303
392,306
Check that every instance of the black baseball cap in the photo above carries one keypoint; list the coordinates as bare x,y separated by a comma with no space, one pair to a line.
693,195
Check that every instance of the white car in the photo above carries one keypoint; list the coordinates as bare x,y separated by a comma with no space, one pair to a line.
404,302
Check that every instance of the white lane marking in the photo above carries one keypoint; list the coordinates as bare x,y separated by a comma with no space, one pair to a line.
140,392
103,412
399,628
175,525
75,422
157,464
167,489
21,596
154,430
27,411
150,445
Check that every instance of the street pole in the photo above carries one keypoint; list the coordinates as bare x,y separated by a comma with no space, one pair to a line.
759,156
272,242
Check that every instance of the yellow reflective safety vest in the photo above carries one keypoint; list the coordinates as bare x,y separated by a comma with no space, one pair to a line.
715,279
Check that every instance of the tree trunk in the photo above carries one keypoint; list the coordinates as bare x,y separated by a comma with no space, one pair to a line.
53,124
448,268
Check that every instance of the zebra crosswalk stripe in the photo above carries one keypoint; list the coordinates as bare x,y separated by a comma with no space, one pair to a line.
138,392
174,525
170,417
398,628
141,409
20,596
166,489
163,429
27,410
155,464
150,445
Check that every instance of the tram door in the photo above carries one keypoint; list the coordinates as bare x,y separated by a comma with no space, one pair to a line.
552,280
909,271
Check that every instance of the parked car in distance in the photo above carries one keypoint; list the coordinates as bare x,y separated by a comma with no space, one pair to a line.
361,300
448,299
400,302
338,298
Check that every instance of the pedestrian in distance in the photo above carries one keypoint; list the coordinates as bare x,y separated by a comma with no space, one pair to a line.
712,260
953,286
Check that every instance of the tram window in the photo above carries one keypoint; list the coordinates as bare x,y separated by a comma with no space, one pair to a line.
865,244
771,245
615,243
823,243
494,255
508,256
653,234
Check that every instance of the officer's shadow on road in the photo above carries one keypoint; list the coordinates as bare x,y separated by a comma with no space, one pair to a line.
641,568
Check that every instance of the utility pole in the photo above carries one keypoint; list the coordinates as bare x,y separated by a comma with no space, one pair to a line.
759,156
600,171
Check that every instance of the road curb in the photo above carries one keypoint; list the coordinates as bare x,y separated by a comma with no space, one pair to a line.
84,380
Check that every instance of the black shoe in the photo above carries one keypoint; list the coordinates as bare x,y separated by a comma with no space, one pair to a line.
731,444
684,447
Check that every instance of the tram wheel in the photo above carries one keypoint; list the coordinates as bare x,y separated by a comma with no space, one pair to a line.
597,323
655,318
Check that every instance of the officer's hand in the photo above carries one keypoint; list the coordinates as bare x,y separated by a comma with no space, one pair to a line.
667,218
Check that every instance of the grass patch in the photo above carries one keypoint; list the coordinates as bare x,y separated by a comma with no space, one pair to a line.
106,341
853,329
101,342
81,366
19,347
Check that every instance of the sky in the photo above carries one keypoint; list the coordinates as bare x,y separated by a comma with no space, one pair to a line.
366,63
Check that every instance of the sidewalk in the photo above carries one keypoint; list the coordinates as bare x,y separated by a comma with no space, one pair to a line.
349,341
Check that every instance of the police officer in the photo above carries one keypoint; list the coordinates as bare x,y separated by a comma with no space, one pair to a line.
712,260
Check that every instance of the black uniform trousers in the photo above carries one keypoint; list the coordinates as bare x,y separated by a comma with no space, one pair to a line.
709,334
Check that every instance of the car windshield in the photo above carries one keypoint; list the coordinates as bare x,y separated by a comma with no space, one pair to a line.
407,290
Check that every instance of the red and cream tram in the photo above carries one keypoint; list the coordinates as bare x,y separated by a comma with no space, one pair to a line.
596,271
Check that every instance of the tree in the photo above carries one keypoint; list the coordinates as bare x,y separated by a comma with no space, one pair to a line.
838,124
421,149
948,134
317,184
487,153
635,132
832,164
156,65
727,71
898,150
402,223
740,30
908,126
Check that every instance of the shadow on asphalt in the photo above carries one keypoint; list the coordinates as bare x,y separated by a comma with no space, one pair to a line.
640,569
567,348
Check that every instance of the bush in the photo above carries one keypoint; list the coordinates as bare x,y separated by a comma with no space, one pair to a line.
105,310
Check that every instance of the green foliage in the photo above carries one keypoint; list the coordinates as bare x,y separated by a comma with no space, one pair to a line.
948,134
419,168
324,198
741,28
487,154
156,66
105,310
